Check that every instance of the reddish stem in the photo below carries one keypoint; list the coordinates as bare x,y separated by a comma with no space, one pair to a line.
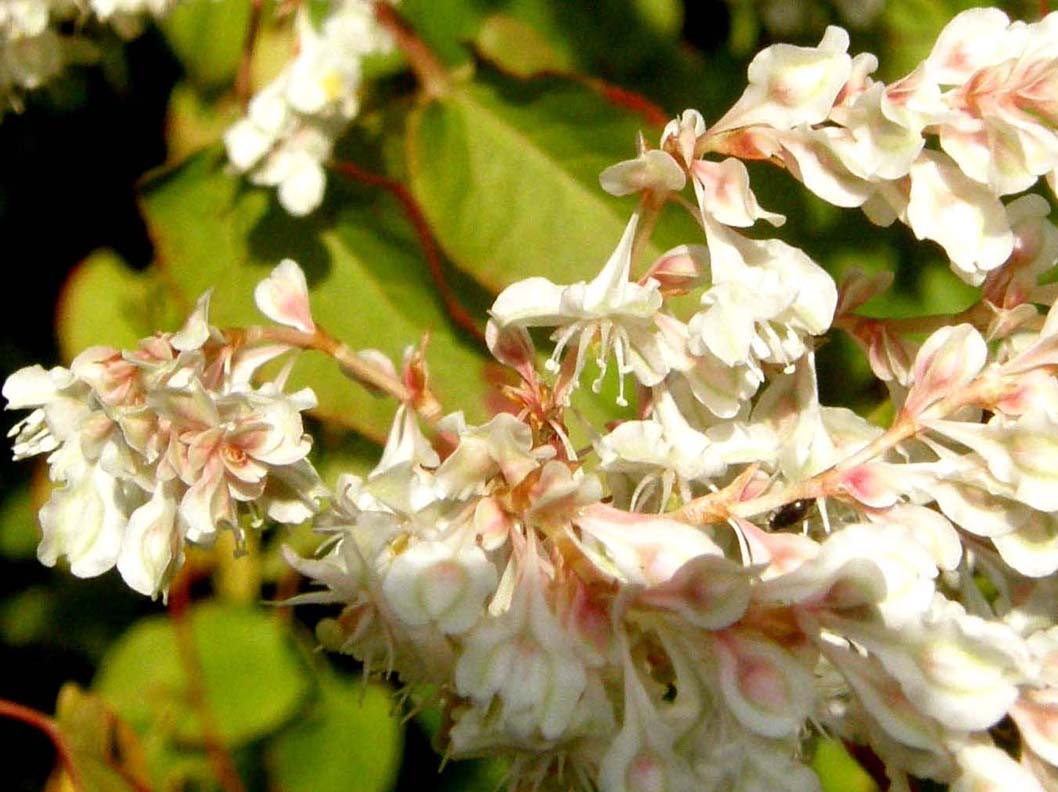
415,216
650,112
431,73
219,757
244,77
47,725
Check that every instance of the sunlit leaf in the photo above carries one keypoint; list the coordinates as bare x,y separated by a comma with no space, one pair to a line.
103,302
208,38
508,174
106,753
348,740
838,771
252,678
368,281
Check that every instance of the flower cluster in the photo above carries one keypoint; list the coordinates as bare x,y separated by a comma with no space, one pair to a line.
167,443
691,599
34,48
292,124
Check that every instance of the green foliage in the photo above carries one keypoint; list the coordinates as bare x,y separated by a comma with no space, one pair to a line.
508,175
208,39
505,167
105,751
252,679
365,273
102,285
351,721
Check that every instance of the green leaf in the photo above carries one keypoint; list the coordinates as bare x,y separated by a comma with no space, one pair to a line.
517,48
508,175
208,39
368,281
104,750
838,771
103,302
349,740
19,533
252,678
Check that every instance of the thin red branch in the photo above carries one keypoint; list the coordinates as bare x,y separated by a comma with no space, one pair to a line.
244,77
219,757
624,98
431,73
46,725
414,213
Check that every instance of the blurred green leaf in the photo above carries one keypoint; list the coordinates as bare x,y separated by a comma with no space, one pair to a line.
105,751
207,38
193,123
517,48
838,771
103,302
367,277
349,740
252,678
19,533
508,175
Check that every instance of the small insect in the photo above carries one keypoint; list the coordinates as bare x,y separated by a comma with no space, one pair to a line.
791,513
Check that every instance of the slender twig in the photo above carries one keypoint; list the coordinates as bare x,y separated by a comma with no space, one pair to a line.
418,220
725,504
244,77
219,757
431,73
977,315
360,369
622,97
48,726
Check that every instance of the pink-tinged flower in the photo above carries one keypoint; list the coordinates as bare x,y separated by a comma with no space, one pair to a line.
724,194
949,360
436,583
643,756
232,443
791,85
653,170
986,768
524,663
644,549
503,446
709,591
961,215
960,669
284,297
767,689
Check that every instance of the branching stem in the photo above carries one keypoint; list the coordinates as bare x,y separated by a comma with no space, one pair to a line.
45,724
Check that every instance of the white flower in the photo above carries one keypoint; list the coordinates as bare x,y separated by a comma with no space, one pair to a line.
433,583
610,309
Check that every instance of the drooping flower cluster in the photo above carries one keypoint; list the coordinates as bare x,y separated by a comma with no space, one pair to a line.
34,48
690,600
167,443
292,124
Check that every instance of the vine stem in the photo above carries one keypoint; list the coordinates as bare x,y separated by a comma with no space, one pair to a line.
430,72
352,365
421,225
47,725
977,315
219,757
244,77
